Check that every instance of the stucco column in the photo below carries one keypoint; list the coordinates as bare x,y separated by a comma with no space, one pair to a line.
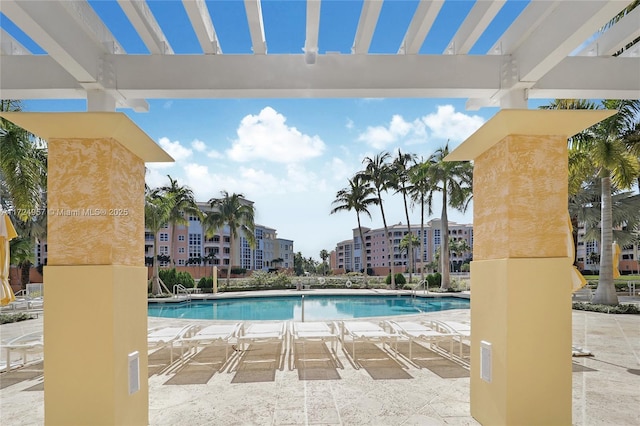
521,275
95,312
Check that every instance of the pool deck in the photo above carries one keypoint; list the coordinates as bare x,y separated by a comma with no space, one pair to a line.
387,390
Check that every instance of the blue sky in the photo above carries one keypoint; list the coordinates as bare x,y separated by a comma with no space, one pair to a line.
291,156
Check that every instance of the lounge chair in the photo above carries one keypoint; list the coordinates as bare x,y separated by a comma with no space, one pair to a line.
31,343
302,332
461,333
263,332
366,331
159,338
214,335
429,332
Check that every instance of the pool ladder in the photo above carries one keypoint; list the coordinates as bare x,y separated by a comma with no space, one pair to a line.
179,288
420,284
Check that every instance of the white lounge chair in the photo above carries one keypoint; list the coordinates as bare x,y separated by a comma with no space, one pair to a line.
429,332
302,332
31,343
366,331
159,338
461,333
214,335
263,332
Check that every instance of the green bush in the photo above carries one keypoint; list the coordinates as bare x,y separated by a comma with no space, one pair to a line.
205,282
434,280
171,277
7,318
186,279
400,280
607,309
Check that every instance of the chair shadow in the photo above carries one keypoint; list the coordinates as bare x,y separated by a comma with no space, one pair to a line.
19,375
378,363
314,361
258,363
200,368
579,368
159,361
432,361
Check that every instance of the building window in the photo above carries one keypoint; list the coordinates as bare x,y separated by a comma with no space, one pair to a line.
164,236
195,245
181,250
216,238
164,249
180,237
436,237
181,262
227,239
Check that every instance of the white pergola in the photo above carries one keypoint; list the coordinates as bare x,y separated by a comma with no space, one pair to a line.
548,51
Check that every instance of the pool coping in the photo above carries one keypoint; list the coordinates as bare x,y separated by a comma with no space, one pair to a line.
298,293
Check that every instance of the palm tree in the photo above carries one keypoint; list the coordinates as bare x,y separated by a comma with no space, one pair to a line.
237,214
379,174
454,179
358,196
184,204
402,184
459,247
406,244
23,164
324,255
157,210
605,152
421,193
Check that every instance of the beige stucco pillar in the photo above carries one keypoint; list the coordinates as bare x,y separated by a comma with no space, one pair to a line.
95,311
521,275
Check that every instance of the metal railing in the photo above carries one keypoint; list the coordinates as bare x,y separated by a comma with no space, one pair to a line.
178,289
423,284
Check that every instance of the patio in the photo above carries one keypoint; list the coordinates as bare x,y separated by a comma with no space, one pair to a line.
387,390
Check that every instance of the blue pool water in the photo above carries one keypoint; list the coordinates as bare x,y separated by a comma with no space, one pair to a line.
315,307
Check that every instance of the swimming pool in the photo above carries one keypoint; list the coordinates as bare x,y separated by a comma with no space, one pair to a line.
315,307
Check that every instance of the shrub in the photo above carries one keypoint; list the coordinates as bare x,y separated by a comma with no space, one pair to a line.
205,282
400,280
7,318
171,277
607,309
186,279
434,279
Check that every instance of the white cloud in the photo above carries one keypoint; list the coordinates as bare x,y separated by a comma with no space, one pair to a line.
446,123
175,149
266,136
198,145
153,177
215,154
379,137
349,124
340,171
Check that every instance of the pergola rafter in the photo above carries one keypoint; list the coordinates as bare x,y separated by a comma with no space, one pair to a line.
552,49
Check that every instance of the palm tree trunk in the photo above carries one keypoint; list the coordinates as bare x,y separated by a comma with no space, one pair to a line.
606,291
155,283
362,251
230,259
25,270
444,252
173,243
422,240
389,246
406,212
